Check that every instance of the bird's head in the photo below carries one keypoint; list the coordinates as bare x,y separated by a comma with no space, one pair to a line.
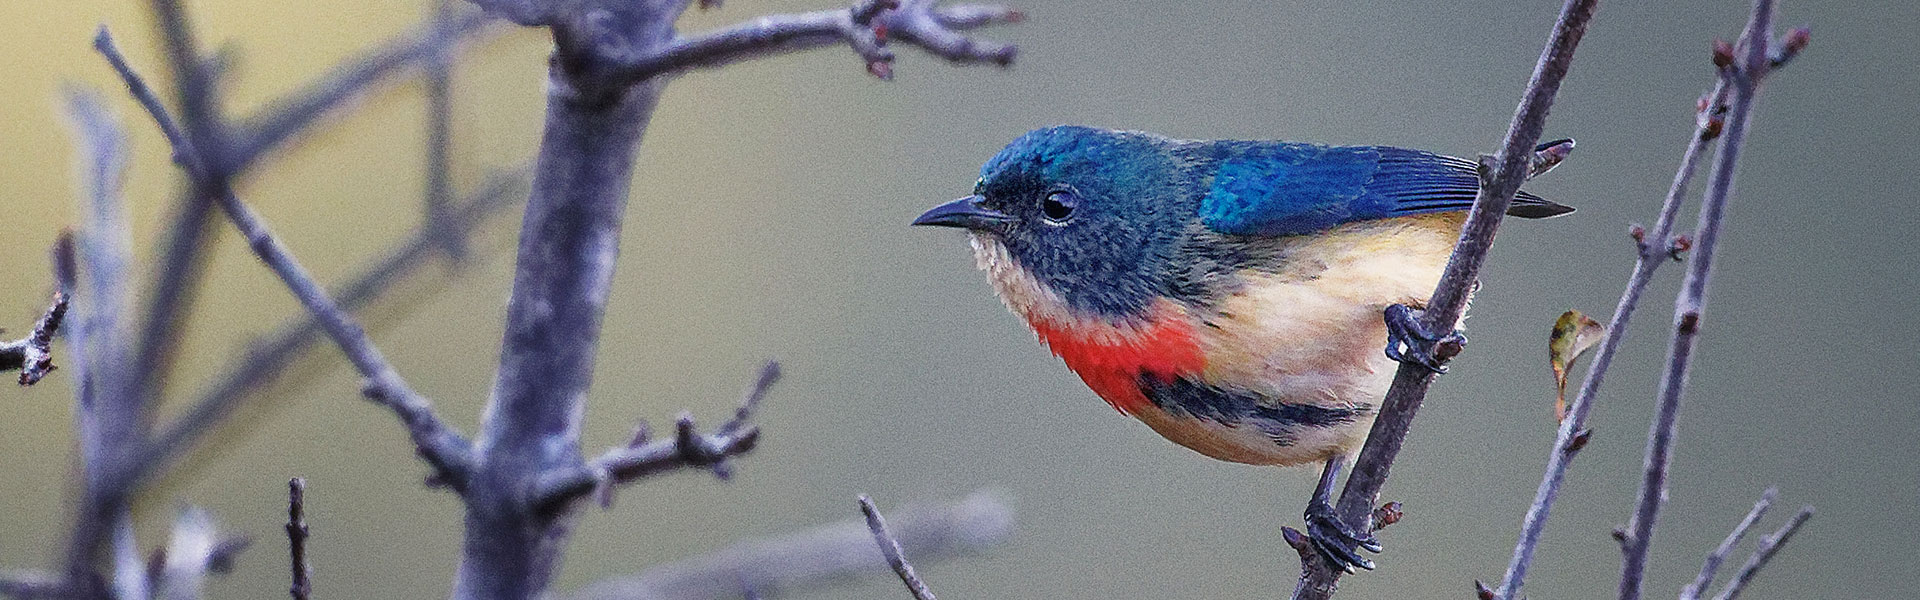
1079,220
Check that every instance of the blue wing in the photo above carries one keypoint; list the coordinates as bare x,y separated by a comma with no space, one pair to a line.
1293,189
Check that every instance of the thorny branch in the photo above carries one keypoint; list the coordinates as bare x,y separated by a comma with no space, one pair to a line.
1742,74
1501,175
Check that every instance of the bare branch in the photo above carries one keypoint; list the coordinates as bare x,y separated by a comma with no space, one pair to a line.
918,22
1719,555
642,457
1743,76
271,127
188,557
30,585
437,443
1769,545
1501,178
102,251
439,192
297,539
33,355
890,546
787,563
265,358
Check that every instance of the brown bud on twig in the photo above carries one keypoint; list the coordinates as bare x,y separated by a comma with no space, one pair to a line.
1387,514
1678,246
1580,439
1722,54
1789,46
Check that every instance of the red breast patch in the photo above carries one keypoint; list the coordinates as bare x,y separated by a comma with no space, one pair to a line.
1112,358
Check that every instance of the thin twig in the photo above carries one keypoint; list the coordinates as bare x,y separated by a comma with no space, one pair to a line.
918,22
297,539
1719,554
281,120
642,457
33,355
1649,256
1769,545
1743,76
890,546
787,563
1502,174
266,357
438,444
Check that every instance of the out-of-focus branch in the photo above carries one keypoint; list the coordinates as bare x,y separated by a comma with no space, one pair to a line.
1719,554
265,358
1742,75
1769,545
643,457
439,192
281,120
890,547
437,443
866,27
30,585
1501,176
802,559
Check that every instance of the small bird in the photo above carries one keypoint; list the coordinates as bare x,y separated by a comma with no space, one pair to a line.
1228,294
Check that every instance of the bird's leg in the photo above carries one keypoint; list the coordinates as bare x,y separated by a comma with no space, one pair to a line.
1337,541
1410,342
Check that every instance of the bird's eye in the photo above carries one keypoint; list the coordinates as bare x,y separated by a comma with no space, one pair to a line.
1059,205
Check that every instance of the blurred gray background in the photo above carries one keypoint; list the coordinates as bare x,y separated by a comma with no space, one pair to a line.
768,220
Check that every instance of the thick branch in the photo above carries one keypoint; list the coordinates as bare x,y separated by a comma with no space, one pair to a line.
1743,75
817,556
918,22
1501,178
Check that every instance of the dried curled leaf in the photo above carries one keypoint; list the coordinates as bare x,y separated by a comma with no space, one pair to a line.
1572,336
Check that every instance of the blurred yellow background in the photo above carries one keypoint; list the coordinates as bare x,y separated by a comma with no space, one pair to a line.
768,220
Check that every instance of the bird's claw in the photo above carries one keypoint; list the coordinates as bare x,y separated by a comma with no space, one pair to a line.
1410,342
1339,543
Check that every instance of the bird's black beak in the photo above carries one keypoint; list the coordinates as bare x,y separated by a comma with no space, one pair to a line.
965,213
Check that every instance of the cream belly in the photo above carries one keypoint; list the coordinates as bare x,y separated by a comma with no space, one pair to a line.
1311,333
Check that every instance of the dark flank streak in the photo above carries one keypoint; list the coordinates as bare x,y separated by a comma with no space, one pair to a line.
1281,421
